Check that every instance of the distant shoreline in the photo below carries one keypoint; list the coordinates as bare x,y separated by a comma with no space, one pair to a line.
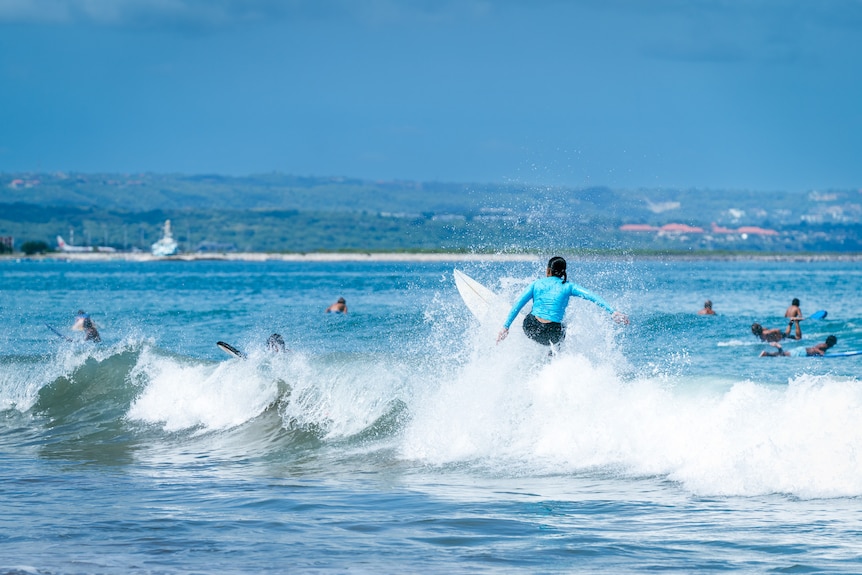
424,257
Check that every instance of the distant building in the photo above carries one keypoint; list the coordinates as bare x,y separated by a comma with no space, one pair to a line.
680,229
638,228
750,230
755,231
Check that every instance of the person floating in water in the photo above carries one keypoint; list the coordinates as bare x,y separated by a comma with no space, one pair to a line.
85,324
819,349
775,334
550,296
338,307
707,308
275,343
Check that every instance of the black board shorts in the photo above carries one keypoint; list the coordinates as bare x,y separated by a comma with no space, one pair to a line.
544,333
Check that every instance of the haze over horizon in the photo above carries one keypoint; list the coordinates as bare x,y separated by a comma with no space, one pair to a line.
713,94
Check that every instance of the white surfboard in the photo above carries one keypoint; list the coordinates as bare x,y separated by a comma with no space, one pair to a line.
229,349
478,299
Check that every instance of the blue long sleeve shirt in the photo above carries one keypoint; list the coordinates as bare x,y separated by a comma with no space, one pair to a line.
550,297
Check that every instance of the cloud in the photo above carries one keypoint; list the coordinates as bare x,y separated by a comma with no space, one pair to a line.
225,13
141,13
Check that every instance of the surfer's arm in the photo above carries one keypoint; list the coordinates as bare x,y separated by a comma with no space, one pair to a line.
583,293
522,301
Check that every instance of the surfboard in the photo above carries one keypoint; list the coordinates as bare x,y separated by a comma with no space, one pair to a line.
841,353
478,299
821,314
58,333
229,349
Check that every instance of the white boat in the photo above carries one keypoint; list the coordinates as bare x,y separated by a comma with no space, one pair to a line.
167,246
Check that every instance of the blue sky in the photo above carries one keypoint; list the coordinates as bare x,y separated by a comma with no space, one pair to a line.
708,94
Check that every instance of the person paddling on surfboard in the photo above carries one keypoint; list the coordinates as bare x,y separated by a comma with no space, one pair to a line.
550,296
819,349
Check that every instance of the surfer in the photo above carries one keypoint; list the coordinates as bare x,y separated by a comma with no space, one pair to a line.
774,334
793,310
338,307
794,313
707,308
819,349
275,343
550,296
85,324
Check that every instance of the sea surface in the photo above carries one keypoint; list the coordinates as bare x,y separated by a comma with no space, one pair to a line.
401,438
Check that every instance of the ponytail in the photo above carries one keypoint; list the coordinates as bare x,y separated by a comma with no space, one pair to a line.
557,265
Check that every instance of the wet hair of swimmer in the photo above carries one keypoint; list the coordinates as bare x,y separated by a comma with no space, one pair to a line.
557,265
831,340
275,342
756,329
795,302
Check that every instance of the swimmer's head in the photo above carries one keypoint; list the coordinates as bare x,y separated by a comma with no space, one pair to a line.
275,343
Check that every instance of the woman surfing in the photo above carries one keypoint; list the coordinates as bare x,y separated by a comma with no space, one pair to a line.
550,296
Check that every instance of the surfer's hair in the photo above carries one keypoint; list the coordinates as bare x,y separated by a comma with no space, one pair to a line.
557,265
831,340
795,301
275,342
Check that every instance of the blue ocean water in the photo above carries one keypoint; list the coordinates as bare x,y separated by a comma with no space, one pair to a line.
401,438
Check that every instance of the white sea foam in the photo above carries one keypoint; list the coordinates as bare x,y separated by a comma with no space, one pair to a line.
182,395
578,415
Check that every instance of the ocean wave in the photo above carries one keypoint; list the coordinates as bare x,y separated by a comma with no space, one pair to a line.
509,410
712,436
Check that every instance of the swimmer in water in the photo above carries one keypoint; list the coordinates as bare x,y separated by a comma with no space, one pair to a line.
338,307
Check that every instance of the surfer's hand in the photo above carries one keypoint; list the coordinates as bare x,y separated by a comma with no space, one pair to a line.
620,317
502,335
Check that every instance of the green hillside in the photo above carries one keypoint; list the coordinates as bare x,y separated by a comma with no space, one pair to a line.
275,212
